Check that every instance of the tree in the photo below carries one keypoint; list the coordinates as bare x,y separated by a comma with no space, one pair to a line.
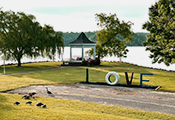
21,34
161,25
107,41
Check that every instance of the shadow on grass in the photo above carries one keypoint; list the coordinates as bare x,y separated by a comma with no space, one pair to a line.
66,75
120,85
4,107
30,67
124,67
77,74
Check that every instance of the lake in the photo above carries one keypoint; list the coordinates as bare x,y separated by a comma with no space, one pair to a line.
136,55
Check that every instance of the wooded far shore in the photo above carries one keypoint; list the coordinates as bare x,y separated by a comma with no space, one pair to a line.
138,37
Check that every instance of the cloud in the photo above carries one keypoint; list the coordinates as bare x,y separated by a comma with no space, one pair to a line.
79,15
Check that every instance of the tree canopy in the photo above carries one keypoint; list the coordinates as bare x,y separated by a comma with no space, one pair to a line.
107,41
21,34
161,25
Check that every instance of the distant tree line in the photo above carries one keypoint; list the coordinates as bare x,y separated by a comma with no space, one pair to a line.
138,38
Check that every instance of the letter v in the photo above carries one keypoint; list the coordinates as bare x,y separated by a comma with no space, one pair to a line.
127,79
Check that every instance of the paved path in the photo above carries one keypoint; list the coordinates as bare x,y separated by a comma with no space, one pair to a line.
142,99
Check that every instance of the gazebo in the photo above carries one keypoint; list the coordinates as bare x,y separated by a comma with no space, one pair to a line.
81,42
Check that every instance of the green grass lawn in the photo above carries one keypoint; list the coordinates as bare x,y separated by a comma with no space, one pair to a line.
69,109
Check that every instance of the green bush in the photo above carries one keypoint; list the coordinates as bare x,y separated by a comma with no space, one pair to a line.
84,63
91,62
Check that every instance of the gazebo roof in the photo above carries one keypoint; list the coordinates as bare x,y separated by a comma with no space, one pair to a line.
81,39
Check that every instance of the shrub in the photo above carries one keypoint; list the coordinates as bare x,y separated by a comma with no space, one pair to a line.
84,63
97,61
79,58
91,62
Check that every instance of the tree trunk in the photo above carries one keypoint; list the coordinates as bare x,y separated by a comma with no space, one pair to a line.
19,62
120,59
99,55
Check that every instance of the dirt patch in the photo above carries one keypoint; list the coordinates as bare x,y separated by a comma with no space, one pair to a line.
139,98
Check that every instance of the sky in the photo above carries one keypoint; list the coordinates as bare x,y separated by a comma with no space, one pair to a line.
79,15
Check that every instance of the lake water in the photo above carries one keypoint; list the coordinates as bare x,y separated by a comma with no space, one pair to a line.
136,55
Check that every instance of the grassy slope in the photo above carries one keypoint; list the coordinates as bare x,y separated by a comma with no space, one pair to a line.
69,109
62,109
96,74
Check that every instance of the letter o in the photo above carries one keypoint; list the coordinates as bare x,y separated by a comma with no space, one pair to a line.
117,78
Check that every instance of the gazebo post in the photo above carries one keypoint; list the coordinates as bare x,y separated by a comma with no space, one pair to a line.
70,53
94,52
82,52
62,56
